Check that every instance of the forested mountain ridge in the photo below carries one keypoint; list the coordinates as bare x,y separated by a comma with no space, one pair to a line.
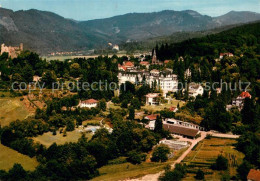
46,32
231,40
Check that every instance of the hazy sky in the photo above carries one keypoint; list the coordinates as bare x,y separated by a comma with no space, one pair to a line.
94,9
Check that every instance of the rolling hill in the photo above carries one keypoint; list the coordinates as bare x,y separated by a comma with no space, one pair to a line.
46,32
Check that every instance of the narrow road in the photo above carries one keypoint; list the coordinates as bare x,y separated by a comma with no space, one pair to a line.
154,177
222,135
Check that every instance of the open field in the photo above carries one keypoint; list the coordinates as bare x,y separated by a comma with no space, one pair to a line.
8,157
12,109
206,152
48,139
127,170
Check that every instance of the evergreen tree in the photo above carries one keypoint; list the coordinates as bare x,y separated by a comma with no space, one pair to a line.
199,175
131,113
158,125
17,173
248,111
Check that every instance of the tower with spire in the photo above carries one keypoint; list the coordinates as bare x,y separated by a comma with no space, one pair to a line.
154,59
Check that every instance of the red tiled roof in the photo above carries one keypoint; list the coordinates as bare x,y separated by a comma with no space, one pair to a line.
144,63
166,61
180,130
123,67
172,108
253,175
129,64
152,116
228,54
90,101
245,95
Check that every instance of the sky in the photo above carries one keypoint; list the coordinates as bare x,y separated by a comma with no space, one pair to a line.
96,9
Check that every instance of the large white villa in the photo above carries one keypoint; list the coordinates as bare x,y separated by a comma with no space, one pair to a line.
165,80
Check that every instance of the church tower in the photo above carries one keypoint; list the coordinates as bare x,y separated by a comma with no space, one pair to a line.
154,59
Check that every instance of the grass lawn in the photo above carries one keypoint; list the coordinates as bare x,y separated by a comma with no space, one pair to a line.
95,120
206,153
153,108
12,109
113,106
127,170
48,139
8,157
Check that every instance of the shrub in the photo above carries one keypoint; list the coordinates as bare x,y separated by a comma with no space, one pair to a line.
244,169
116,100
221,163
209,136
160,153
177,174
199,175
135,157
124,104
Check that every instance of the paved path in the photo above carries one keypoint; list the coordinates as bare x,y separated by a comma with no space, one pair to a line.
154,177
221,135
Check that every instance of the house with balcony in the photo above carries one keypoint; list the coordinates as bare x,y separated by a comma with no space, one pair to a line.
152,99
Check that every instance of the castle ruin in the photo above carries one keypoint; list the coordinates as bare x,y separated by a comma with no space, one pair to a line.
12,51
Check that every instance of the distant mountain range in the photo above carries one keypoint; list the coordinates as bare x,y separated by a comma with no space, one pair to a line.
47,32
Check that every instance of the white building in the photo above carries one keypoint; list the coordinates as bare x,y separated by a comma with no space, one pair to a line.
152,99
151,125
239,101
182,123
187,74
90,103
165,80
116,47
152,119
221,55
36,78
195,90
